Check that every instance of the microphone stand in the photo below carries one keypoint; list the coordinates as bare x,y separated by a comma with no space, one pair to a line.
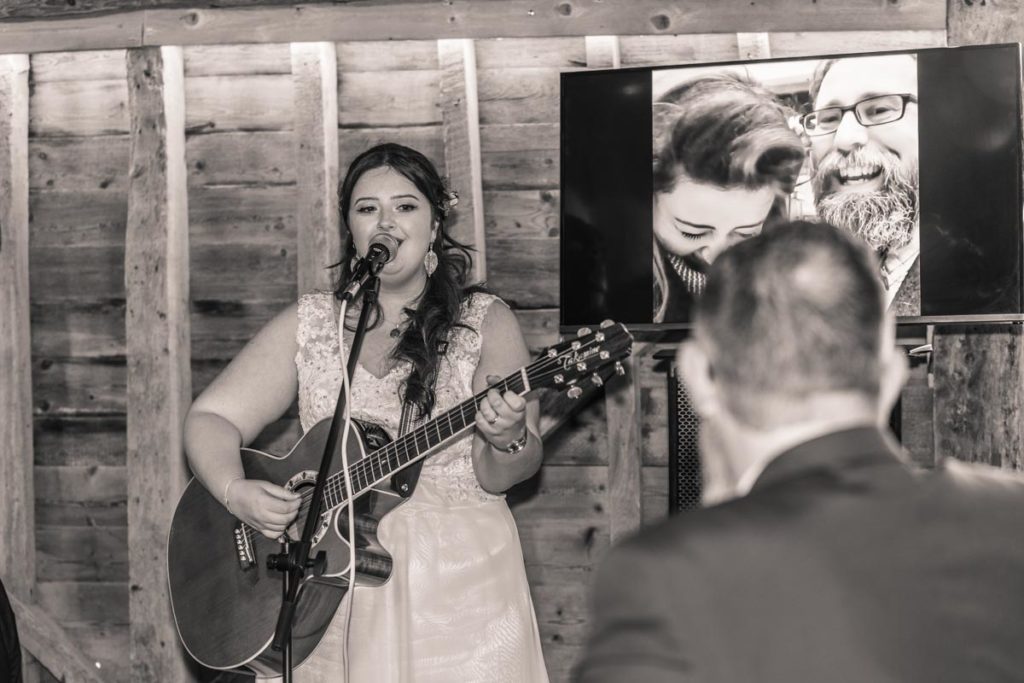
294,561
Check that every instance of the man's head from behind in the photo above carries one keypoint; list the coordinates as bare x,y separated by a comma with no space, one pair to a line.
864,142
791,326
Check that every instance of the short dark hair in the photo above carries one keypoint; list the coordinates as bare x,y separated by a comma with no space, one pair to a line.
792,312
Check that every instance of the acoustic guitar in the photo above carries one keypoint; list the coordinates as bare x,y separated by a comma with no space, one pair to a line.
225,598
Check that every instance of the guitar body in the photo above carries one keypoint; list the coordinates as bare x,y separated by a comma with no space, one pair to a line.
224,597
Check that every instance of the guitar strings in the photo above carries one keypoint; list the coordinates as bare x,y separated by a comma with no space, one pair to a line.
547,367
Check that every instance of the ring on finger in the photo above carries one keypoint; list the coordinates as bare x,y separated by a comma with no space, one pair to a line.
492,420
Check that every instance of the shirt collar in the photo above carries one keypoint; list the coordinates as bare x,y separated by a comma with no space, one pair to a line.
856,446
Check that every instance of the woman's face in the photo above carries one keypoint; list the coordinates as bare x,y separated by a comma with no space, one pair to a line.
699,220
385,201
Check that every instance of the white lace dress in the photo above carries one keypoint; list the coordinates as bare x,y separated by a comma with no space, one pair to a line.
457,607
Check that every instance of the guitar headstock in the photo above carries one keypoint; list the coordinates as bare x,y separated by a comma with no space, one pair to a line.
593,356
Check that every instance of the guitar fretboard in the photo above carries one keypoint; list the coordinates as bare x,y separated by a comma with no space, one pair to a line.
416,444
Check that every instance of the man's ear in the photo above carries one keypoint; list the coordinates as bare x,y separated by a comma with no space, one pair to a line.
694,369
895,369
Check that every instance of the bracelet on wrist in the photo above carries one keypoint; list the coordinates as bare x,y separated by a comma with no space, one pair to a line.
227,486
519,444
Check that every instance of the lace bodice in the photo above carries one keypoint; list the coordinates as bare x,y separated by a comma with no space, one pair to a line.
378,400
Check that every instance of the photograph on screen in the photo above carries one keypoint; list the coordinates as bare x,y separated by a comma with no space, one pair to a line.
737,148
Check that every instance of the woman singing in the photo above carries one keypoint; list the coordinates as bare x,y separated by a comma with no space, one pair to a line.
457,606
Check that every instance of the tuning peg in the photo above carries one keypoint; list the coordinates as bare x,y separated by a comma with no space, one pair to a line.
574,393
552,353
559,378
619,370
604,355
599,337
581,367
597,381
605,324
583,332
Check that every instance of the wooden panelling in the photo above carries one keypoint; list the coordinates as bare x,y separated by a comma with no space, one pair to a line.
98,601
564,531
525,95
73,386
519,53
241,158
237,60
315,82
79,274
17,521
82,553
622,404
403,98
389,56
41,634
88,330
516,137
518,214
527,170
654,492
84,33
518,18
221,328
218,103
461,127
157,322
81,218
427,139
79,441
97,65
242,272
677,49
74,164
79,108
527,274
787,44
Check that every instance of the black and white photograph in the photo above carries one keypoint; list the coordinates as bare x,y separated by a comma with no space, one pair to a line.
467,341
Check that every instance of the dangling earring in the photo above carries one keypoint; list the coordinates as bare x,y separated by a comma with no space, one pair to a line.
430,261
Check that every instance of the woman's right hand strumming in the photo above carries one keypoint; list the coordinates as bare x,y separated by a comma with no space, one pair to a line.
266,507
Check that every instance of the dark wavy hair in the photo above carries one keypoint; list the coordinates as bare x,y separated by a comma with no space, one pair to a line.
727,131
440,304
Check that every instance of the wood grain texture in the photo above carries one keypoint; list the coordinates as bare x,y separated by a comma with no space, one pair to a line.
519,18
72,34
74,164
622,403
258,158
315,87
404,98
79,108
237,60
249,102
157,321
460,118
603,52
44,636
94,65
17,521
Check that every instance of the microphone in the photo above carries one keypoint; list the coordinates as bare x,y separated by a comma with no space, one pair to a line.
380,252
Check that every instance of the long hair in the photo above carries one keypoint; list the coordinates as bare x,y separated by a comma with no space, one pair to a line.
438,308
722,130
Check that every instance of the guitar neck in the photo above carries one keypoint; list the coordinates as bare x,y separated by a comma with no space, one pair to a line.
414,445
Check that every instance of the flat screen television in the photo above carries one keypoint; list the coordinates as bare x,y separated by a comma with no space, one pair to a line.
916,151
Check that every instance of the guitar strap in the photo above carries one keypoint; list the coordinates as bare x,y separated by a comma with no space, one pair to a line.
404,481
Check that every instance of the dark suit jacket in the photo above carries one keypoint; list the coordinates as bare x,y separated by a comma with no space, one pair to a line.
10,648
841,564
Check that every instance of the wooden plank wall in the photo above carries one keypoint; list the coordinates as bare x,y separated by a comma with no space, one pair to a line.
240,150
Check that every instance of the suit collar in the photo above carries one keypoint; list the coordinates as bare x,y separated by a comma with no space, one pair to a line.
855,447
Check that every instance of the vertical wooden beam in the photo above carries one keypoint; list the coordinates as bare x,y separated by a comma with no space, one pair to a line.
158,354
315,77
17,514
603,52
979,370
753,45
460,118
622,406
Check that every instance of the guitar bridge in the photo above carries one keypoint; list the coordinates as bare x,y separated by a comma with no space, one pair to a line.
243,544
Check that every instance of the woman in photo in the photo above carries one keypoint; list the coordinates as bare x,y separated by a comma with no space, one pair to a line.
457,606
725,160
